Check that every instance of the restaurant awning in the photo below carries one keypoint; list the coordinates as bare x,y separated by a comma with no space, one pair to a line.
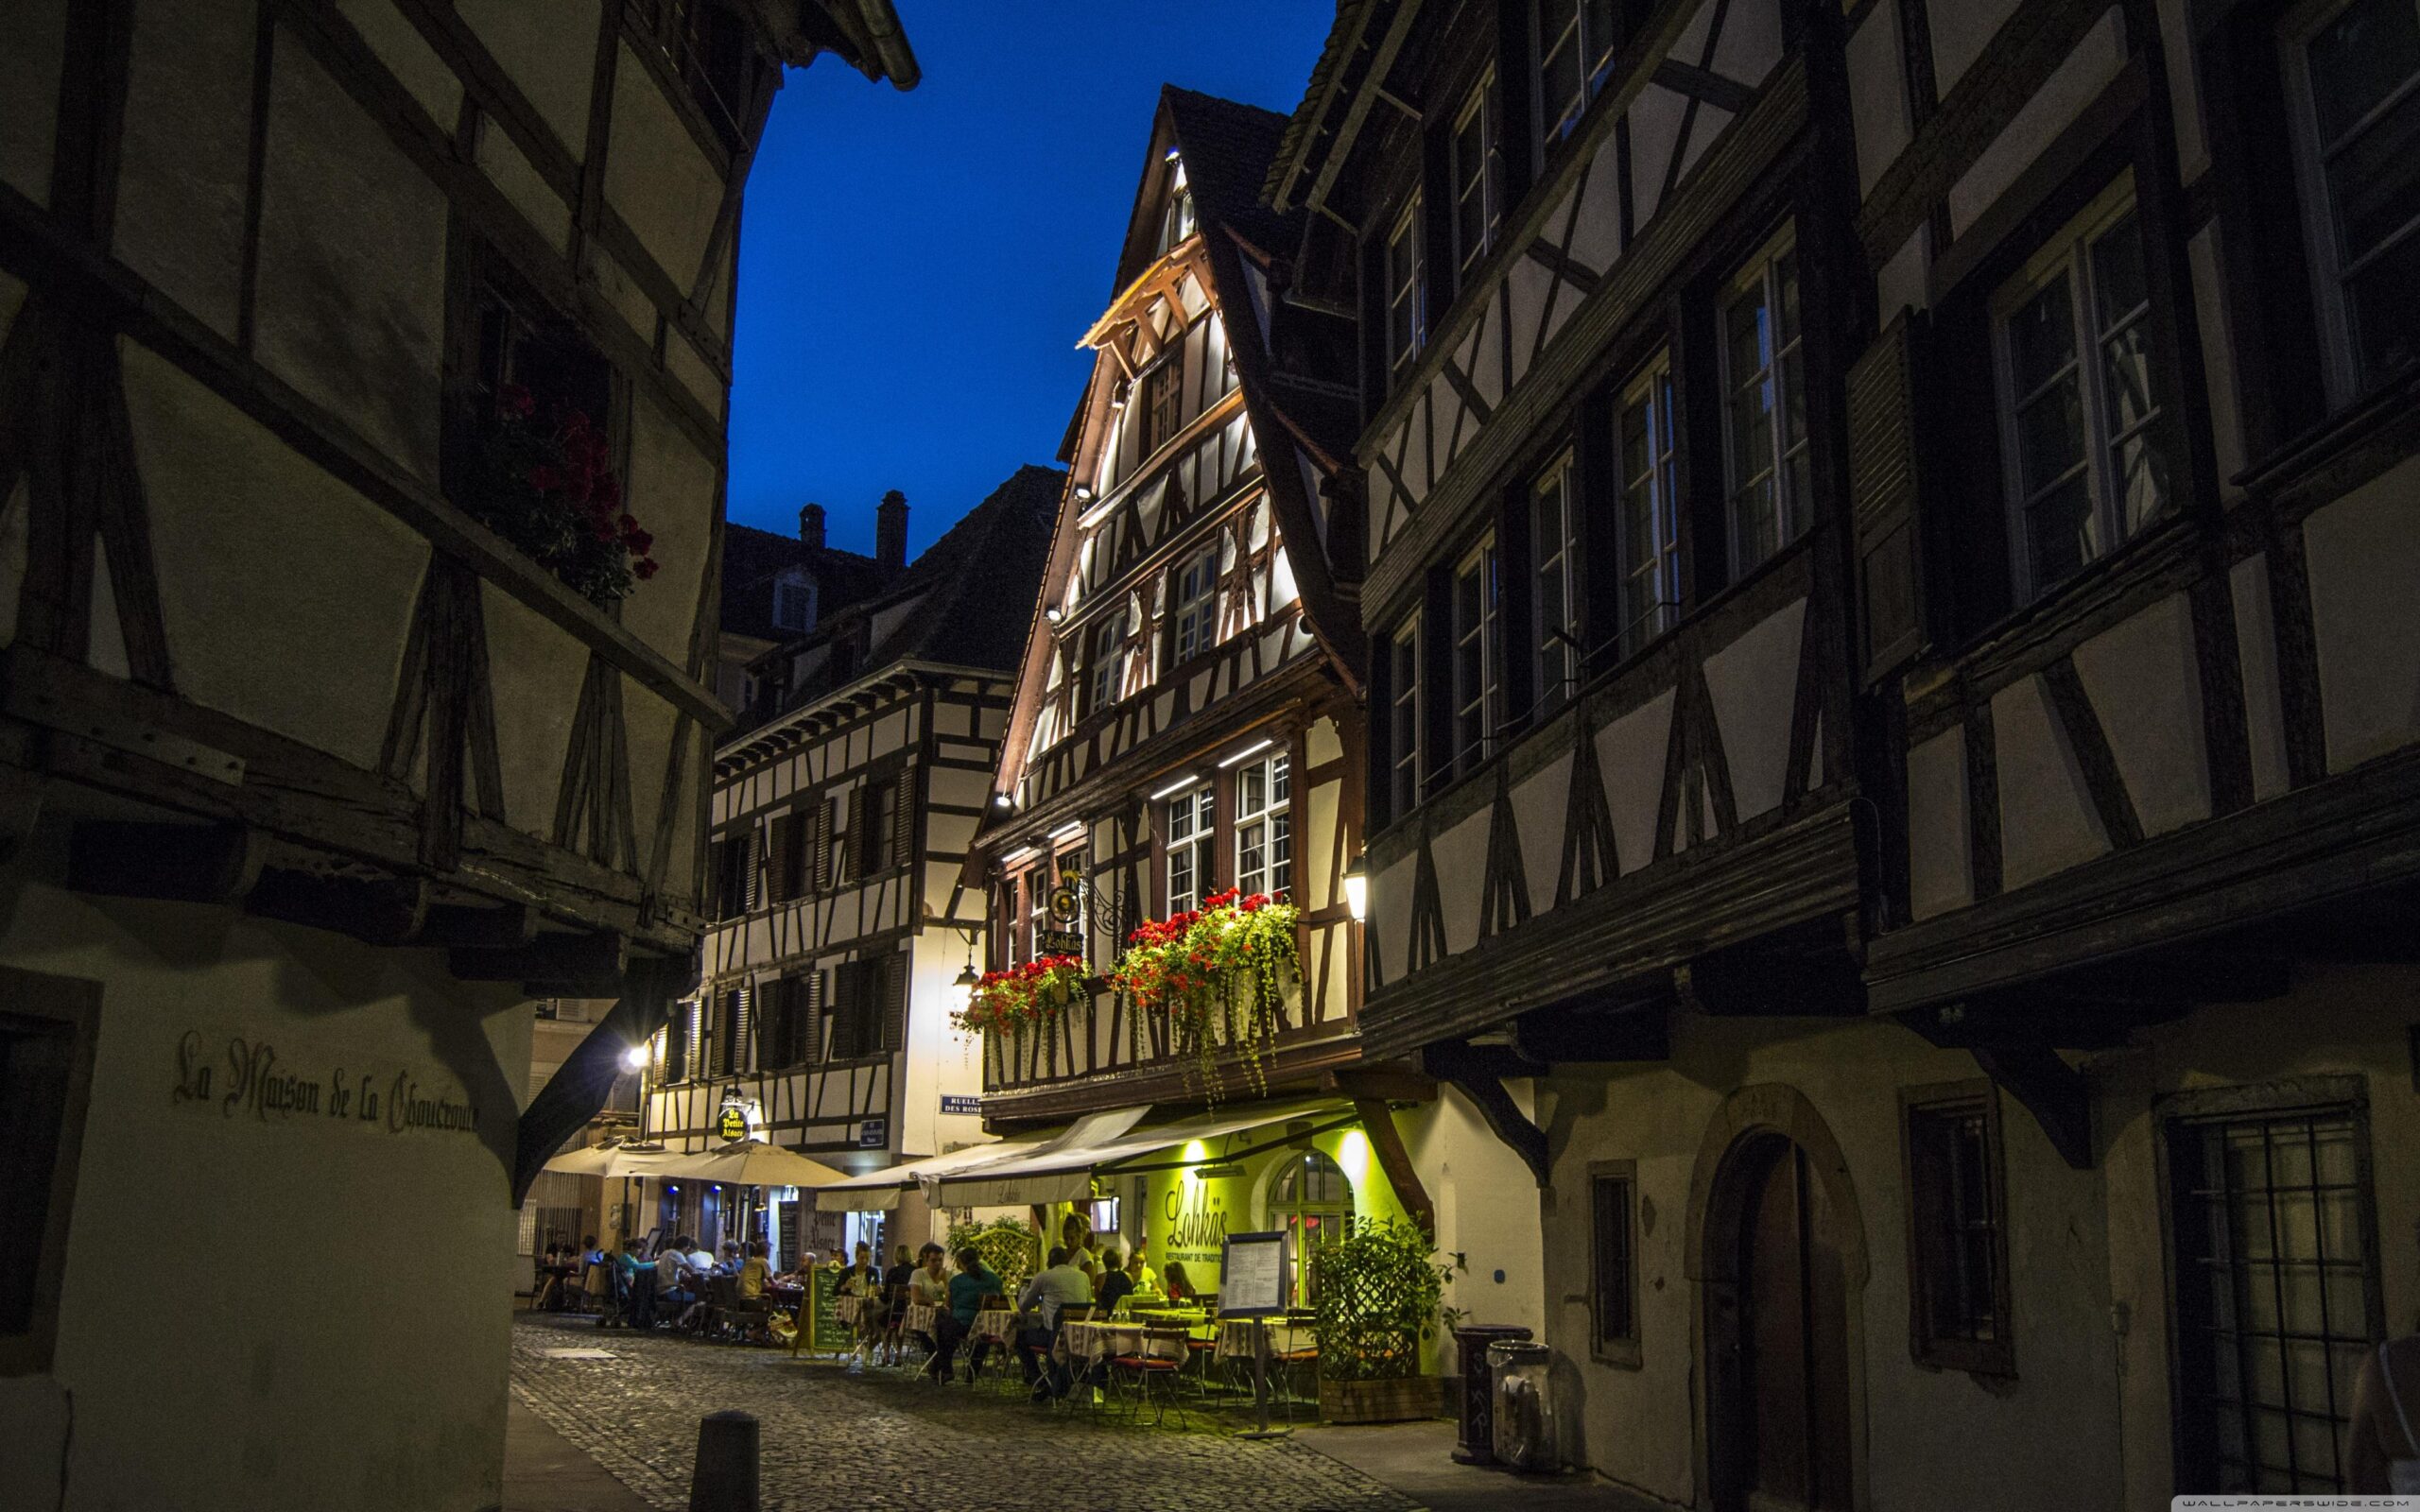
1063,1170
880,1191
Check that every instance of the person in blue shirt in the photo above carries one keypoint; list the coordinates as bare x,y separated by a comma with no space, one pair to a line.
974,1281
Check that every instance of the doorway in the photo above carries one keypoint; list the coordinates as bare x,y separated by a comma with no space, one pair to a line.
1777,1333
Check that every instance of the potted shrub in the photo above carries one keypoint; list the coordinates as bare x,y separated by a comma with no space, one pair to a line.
1003,1004
1376,1292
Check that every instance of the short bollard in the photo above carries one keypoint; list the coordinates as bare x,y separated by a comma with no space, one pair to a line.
726,1474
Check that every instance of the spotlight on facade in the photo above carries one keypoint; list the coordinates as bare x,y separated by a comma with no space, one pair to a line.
1003,802
1053,613
1083,494
1357,889
634,1058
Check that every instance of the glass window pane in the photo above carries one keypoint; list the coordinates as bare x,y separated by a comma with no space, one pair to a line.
2049,436
2118,279
2141,472
2126,370
2358,59
2385,313
2373,180
2058,529
2041,336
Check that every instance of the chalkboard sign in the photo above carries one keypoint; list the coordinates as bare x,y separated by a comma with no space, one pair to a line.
1253,1275
825,1329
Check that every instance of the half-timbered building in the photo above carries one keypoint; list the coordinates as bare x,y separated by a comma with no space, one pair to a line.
841,920
1890,531
320,759
1186,722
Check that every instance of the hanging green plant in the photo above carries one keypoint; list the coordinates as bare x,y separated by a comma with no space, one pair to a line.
1010,1001
1219,974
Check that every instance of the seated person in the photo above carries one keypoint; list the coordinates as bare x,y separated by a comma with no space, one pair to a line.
974,1281
637,1275
1174,1284
861,1278
753,1272
1114,1286
1147,1281
1059,1286
677,1274
731,1260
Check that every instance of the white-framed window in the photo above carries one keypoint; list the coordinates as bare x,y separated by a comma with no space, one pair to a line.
2353,72
1037,908
1404,320
1402,718
1648,531
2079,433
1478,689
1265,826
1178,223
1575,57
1104,669
1194,614
1476,189
1554,550
1767,472
793,602
1191,847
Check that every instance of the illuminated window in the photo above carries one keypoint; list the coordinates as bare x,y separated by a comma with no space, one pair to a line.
1264,826
1406,326
1403,724
1314,1200
1478,689
1195,608
1647,530
1769,476
1190,848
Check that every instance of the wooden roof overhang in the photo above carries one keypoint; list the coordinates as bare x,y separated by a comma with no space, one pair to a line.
1132,305
1348,81
805,725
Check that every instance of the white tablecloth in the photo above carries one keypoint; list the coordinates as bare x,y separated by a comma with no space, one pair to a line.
921,1317
1235,1338
996,1323
1095,1342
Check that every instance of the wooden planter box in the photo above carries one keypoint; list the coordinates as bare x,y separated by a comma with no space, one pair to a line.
1400,1399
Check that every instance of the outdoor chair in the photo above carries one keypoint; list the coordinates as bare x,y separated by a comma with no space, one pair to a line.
1152,1375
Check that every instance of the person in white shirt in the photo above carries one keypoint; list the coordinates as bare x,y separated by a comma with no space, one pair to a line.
1058,1287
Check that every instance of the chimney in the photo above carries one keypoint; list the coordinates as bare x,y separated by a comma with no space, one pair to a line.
891,531
810,526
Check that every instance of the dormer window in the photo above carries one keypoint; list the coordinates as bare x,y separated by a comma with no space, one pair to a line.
793,602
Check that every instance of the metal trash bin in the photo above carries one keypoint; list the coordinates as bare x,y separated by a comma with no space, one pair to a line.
1523,1406
1474,1438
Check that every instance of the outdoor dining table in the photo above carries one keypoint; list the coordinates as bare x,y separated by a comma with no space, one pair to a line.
920,1319
1095,1341
848,1308
998,1324
1235,1338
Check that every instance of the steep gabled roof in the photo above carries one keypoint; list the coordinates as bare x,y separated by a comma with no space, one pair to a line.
753,560
980,579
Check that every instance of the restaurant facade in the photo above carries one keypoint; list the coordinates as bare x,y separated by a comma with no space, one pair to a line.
842,922
311,778
1888,533
1186,740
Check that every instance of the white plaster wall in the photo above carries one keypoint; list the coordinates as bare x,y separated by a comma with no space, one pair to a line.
2074,84
1941,872
2047,822
657,177
287,1363
183,179
1753,682
1960,30
2336,1021
2146,689
1877,96
1934,1439
29,95
2364,554
1487,1210
549,47
1630,756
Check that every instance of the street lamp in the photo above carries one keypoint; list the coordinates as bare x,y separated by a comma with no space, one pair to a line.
1357,889
634,1058
966,977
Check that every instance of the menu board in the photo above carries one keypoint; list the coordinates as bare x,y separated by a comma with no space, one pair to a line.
825,1329
1254,1276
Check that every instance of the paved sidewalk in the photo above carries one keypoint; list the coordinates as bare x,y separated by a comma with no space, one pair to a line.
608,1422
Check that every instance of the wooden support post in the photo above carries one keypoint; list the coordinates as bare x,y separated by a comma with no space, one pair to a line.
374,910
1378,1122
577,1088
2052,1091
180,863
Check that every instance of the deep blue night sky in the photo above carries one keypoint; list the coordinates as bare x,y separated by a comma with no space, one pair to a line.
915,269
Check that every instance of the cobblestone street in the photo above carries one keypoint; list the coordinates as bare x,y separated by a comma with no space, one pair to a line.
886,1439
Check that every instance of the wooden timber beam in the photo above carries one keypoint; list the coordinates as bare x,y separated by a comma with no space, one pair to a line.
590,963
1511,1125
374,910
578,1087
176,862
1557,1035
1378,1122
2052,1091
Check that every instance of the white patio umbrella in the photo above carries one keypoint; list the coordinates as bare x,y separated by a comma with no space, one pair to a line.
748,1163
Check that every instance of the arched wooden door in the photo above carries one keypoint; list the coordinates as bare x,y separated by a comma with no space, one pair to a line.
1778,1327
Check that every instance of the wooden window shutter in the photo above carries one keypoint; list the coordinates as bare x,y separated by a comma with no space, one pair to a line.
848,992
821,821
1884,496
752,860
780,853
902,822
894,1000
812,1014
717,850
743,1037
860,847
